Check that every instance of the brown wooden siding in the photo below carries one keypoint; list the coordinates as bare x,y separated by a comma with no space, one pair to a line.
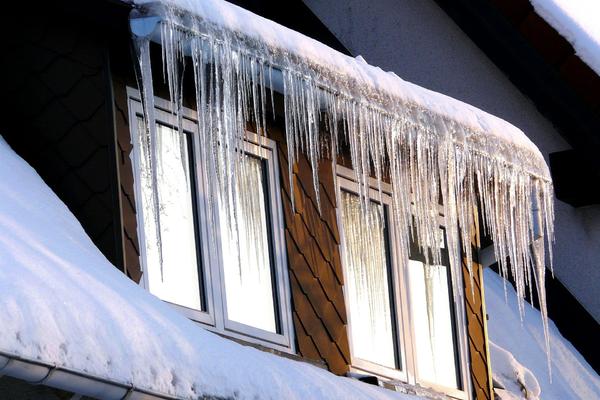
130,243
315,266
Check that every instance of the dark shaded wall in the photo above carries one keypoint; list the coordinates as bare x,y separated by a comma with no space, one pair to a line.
55,113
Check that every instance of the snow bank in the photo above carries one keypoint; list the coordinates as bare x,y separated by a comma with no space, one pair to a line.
517,350
62,302
516,380
578,21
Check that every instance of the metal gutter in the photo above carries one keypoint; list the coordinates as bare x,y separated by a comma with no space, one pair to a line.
38,372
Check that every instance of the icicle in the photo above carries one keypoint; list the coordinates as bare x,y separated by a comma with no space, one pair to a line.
149,138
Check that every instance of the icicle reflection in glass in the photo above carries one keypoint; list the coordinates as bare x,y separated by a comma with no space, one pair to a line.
247,262
367,281
432,320
176,280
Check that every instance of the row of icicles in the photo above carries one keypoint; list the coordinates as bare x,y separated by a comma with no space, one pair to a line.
425,165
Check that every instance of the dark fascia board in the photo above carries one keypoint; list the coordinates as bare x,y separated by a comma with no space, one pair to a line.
509,50
573,181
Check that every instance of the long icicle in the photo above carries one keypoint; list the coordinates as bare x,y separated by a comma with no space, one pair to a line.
149,137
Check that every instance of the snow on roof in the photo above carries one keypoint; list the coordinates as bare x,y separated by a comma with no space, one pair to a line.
578,21
63,303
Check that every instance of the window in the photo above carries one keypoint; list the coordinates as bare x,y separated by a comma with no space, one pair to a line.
178,228
403,323
232,280
433,320
369,285
247,258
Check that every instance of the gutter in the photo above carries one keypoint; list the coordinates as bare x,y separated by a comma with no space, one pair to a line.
37,372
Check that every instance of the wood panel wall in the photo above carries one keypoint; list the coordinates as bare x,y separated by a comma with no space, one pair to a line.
130,243
315,266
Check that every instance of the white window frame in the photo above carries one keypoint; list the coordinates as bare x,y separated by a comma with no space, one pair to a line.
358,364
214,318
346,180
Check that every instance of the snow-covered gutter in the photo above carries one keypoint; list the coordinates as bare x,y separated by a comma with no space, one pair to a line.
37,372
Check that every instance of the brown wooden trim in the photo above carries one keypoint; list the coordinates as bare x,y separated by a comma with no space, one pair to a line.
476,319
131,244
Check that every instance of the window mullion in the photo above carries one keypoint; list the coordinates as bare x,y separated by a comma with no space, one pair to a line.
210,272
405,336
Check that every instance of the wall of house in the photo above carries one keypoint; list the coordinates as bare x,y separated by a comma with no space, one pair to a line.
420,43
54,111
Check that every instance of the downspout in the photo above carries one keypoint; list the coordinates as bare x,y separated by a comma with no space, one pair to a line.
38,372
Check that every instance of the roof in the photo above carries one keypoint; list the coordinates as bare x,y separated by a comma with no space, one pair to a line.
544,66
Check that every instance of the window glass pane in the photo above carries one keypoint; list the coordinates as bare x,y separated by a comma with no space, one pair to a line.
247,262
178,281
432,317
367,282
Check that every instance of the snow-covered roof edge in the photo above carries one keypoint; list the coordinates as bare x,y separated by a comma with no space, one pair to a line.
576,21
354,78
